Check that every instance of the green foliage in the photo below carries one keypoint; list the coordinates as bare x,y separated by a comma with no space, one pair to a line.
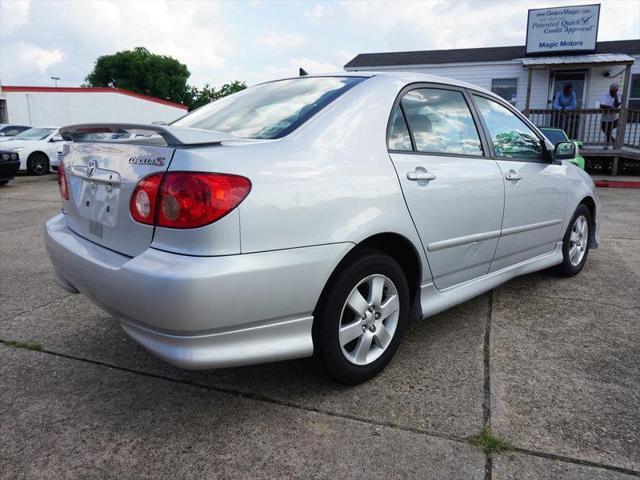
141,71
207,94
160,76
490,443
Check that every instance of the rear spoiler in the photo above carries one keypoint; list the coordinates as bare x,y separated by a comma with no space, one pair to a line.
173,136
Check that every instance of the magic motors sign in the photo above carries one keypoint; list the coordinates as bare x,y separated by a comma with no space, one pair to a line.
562,29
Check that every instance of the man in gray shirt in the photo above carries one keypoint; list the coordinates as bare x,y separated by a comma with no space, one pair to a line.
610,104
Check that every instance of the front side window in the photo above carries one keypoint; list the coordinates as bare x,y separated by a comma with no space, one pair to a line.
510,136
554,135
441,122
506,88
269,110
399,138
34,134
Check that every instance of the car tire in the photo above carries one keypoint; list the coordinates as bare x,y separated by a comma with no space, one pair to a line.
575,244
361,317
38,163
3,182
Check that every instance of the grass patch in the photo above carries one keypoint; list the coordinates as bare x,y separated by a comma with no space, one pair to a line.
35,346
488,442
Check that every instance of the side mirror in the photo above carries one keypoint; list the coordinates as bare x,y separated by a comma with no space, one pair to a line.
565,151
56,138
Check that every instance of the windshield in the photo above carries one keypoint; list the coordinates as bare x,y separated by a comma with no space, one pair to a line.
34,134
554,136
269,110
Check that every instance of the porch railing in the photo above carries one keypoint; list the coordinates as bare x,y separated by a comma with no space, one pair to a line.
587,126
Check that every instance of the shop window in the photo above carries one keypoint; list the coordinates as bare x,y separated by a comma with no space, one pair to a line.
507,88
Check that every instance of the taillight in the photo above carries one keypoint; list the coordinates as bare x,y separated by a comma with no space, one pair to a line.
187,199
143,200
62,182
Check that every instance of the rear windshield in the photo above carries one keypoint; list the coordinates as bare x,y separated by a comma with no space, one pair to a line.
269,110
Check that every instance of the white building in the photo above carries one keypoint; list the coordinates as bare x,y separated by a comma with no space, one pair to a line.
69,105
506,71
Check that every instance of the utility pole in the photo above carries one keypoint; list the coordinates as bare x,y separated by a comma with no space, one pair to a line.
55,79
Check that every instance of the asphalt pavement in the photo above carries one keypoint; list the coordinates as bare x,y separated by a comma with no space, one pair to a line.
550,365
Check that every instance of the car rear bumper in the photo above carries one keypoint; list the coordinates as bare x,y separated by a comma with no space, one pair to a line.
201,312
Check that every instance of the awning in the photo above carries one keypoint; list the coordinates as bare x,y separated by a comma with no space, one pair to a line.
593,59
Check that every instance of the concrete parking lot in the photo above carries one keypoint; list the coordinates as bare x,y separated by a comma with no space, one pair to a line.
551,365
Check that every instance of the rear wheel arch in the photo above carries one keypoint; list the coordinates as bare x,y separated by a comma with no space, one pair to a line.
398,247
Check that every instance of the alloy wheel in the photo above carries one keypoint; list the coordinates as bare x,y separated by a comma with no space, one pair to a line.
369,319
578,240
39,164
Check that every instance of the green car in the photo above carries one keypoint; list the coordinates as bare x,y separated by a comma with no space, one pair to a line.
557,135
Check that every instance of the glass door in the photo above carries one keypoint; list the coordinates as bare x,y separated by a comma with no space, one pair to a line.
577,80
569,121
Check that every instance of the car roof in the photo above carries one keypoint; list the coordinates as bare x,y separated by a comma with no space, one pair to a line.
405,77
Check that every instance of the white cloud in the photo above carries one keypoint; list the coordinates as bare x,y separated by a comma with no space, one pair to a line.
193,32
314,66
13,14
281,40
30,61
318,11
440,24
38,58
291,69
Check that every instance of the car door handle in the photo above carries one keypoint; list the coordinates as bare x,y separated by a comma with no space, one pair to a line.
513,175
420,174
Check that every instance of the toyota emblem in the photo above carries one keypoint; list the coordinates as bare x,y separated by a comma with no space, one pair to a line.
91,167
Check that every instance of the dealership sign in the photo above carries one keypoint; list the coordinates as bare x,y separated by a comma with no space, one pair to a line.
562,29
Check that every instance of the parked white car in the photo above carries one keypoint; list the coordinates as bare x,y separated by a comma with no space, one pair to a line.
37,147
314,215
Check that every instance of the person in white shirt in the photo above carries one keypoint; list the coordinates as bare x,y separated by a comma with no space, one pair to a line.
610,104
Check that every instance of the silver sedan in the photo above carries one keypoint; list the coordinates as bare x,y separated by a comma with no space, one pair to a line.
313,216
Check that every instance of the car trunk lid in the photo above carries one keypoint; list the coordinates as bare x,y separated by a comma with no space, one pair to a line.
103,166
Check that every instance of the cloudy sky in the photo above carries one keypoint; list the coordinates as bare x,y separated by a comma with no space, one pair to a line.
258,40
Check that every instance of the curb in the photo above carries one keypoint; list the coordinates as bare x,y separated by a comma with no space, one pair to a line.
616,184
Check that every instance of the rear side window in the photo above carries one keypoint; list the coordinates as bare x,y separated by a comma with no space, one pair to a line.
510,136
441,122
399,137
269,110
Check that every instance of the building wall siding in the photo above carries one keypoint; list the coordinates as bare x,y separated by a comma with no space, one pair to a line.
541,94
64,108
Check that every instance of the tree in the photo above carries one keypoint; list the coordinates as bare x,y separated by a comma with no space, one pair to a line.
207,94
141,71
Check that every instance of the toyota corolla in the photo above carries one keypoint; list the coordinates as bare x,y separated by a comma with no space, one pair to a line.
313,216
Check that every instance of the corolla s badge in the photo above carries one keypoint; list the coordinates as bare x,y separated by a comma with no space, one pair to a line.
91,167
156,162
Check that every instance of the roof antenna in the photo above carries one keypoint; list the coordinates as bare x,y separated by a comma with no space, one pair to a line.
303,72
